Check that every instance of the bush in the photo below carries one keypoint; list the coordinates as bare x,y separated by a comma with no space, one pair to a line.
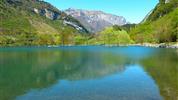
111,35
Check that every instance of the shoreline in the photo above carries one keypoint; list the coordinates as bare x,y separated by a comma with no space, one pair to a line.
161,45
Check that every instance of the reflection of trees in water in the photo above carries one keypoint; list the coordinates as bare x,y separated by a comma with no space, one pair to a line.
16,74
24,70
163,67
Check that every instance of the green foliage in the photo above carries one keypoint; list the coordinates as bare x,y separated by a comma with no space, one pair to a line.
167,27
113,35
162,9
164,29
143,33
17,39
28,39
117,28
20,26
81,39
128,27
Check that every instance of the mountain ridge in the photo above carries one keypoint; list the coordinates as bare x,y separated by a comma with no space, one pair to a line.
35,22
94,20
39,7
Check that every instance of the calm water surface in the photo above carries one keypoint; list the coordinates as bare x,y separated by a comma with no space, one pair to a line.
88,73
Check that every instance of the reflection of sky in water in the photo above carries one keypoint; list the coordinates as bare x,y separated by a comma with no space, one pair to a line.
89,72
131,84
135,52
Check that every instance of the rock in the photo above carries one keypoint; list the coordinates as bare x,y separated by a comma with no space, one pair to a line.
47,13
96,21
167,1
73,25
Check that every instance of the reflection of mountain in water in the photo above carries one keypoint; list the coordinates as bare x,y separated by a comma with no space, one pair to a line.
23,70
163,67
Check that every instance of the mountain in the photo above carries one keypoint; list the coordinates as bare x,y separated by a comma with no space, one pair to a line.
38,7
163,8
160,25
34,22
96,21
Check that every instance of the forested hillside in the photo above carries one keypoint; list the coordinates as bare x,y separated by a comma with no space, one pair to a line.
160,26
35,22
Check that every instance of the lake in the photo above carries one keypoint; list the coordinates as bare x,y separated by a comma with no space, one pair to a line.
88,73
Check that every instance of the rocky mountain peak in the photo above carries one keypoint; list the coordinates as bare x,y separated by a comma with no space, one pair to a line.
95,21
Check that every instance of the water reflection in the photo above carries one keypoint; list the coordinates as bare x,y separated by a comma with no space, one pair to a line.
90,73
163,67
113,87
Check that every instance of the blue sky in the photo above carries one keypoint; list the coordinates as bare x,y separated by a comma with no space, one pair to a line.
133,10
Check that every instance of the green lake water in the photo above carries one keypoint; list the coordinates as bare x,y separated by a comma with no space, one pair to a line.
88,73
